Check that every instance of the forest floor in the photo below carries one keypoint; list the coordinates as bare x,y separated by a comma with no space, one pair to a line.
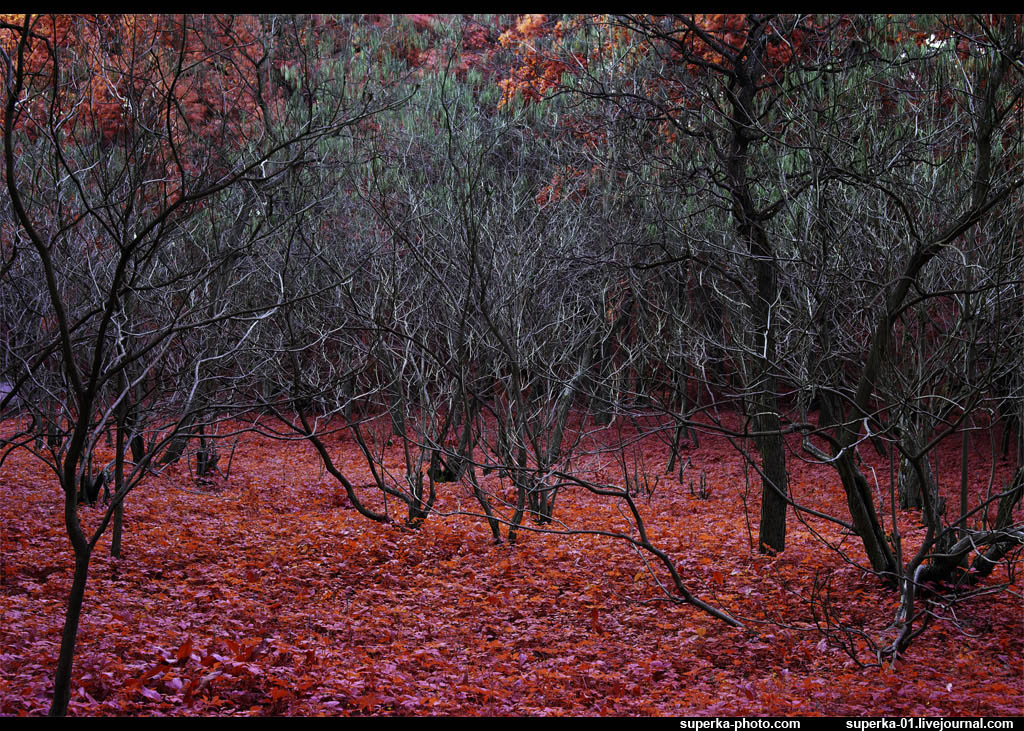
267,594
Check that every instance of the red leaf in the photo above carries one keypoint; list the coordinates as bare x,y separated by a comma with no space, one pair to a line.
185,651
368,701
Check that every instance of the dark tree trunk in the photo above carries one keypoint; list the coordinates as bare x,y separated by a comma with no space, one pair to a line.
65,661
76,597
774,481
749,222
910,485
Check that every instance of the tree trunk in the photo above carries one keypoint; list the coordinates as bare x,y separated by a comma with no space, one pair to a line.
72,615
750,229
772,533
910,485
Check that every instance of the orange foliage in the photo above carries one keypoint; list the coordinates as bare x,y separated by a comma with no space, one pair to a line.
105,78
569,184
542,62
536,72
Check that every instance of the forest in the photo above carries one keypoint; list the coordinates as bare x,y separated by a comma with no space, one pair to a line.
587,365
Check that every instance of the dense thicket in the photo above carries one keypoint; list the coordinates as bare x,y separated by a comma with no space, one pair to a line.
503,233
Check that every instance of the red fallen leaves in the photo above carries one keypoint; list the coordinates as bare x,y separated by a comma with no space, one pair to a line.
266,597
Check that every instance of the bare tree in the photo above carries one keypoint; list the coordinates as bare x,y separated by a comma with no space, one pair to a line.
114,196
